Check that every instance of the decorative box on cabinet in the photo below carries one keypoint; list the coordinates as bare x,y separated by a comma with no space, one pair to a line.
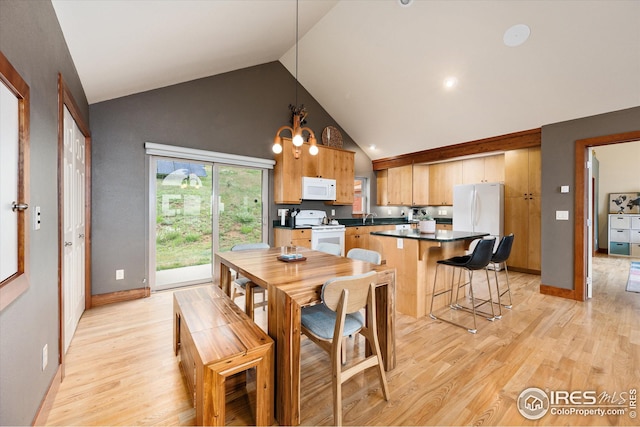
624,235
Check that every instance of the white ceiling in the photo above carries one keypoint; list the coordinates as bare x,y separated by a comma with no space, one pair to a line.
377,67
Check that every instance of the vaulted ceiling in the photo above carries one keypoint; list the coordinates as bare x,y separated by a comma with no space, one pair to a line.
378,67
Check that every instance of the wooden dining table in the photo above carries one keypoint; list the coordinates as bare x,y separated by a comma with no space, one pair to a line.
293,285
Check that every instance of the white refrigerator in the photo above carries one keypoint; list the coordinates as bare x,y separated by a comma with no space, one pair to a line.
479,208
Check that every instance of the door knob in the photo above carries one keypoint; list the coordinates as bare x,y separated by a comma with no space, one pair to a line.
19,206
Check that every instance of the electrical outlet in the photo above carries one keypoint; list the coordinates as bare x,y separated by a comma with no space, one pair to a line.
45,356
333,212
119,274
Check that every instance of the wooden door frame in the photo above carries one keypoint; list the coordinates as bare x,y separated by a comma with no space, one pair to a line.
65,99
580,204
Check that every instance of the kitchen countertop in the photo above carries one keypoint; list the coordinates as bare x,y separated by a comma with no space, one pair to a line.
357,222
438,236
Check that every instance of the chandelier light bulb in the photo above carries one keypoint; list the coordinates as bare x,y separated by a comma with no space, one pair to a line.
313,150
277,148
298,140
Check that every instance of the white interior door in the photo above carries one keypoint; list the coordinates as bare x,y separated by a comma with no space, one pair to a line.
73,273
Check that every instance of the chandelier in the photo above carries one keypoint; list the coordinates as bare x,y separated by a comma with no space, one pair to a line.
299,113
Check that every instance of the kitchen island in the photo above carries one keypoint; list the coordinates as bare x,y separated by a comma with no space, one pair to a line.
414,256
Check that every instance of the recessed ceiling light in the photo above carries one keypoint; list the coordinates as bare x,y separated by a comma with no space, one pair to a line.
405,3
516,35
450,82
372,147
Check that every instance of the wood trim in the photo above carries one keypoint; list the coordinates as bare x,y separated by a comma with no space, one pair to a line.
65,98
511,141
582,189
119,296
524,270
48,400
557,292
14,286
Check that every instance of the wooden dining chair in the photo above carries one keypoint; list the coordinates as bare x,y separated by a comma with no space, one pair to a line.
330,248
244,286
338,316
365,255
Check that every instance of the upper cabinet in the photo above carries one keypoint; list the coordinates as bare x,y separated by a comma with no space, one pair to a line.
442,178
287,176
344,173
483,169
382,196
420,185
399,185
331,163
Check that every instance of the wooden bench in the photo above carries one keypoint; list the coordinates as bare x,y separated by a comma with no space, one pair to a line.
214,341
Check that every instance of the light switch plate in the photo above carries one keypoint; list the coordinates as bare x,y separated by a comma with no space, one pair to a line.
399,243
562,215
564,189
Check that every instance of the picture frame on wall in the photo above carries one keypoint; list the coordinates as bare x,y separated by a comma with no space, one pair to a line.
624,203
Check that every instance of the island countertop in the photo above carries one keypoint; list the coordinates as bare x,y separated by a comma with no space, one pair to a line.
438,236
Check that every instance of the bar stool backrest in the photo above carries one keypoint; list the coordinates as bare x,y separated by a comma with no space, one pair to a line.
481,255
504,250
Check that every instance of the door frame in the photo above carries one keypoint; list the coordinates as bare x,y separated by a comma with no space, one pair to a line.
65,98
581,206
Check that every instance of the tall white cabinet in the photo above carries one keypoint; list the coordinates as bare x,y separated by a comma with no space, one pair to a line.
624,235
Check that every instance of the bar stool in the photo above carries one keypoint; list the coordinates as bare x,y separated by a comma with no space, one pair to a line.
478,260
500,256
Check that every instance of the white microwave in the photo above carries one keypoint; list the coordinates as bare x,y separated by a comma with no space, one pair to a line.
318,188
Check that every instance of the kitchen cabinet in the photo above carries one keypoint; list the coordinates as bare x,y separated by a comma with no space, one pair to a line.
287,176
400,185
444,227
624,235
442,178
343,165
420,185
359,236
483,169
522,178
292,237
356,237
332,163
382,196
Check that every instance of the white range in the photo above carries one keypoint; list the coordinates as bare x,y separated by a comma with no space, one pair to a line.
330,233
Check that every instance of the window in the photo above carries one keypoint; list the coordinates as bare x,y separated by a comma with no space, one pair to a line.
360,195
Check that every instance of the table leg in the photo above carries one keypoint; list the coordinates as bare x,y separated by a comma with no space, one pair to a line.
385,319
225,279
284,328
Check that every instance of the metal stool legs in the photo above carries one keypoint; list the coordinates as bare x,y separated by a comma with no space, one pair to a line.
478,260
505,292
475,302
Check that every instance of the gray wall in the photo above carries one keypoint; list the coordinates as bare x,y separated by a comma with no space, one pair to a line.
31,39
237,112
558,168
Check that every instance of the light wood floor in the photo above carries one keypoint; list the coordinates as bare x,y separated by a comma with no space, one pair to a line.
121,369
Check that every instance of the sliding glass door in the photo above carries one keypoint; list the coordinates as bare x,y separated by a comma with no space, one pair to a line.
198,208
183,222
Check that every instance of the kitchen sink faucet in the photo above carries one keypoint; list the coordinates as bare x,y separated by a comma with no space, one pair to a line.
364,218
